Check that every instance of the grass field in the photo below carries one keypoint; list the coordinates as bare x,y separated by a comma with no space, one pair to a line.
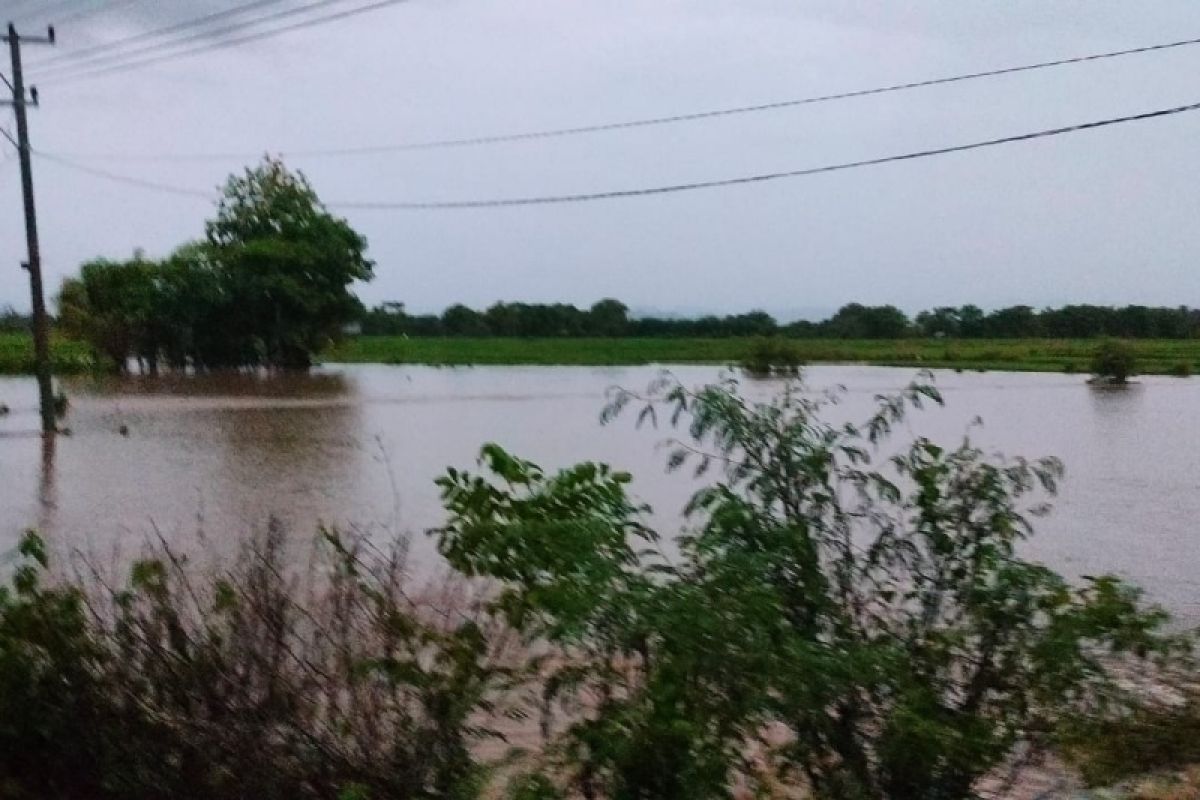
1030,355
16,355
1157,356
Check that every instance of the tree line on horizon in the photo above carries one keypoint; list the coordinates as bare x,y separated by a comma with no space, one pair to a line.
610,317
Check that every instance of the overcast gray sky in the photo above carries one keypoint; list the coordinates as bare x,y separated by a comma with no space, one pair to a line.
1108,216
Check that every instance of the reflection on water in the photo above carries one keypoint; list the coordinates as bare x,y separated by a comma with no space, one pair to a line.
47,496
360,446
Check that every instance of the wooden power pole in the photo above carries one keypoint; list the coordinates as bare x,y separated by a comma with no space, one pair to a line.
41,326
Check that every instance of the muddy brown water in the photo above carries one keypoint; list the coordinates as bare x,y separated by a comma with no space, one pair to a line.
359,446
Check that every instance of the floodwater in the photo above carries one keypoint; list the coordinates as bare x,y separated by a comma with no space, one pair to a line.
359,447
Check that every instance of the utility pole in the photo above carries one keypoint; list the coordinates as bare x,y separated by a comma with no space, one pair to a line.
41,327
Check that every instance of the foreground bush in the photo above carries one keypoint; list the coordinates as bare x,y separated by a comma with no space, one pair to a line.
175,686
877,618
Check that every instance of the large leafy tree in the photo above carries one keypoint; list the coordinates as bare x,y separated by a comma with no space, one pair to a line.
287,263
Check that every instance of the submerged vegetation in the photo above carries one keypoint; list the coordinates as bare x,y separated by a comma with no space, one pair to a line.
772,356
846,615
1115,362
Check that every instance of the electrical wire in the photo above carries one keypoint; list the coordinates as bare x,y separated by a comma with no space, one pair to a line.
98,51
102,7
223,43
432,144
672,188
126,179
84,13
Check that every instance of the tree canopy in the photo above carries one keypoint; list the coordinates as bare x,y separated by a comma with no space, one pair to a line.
269,285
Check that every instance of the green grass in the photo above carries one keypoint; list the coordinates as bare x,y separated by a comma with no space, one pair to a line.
1155,356
1032,355
16,355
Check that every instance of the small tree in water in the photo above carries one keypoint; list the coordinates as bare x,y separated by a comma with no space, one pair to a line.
880,614
1114,362
773,355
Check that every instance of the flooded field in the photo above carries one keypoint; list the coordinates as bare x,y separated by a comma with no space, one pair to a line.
359,446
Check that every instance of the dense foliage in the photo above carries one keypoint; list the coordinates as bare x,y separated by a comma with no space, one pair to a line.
180,684
880,616
269,285
854,321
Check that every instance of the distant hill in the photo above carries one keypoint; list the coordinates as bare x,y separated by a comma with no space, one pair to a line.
782,315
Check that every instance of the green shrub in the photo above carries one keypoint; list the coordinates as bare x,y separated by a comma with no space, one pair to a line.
772,356
1181,369
53,703
534,786
880,615
1114,361
178,686
1145,740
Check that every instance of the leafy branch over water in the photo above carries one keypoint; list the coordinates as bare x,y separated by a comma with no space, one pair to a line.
878,614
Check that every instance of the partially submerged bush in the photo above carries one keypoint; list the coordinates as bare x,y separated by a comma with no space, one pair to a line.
773,355
1114,362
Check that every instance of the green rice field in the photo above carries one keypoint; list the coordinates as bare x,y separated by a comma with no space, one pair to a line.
1155,356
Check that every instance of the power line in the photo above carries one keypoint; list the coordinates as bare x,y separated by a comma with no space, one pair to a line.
84,12
101,8
652,121
679,187
126,179
223,43
97,51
